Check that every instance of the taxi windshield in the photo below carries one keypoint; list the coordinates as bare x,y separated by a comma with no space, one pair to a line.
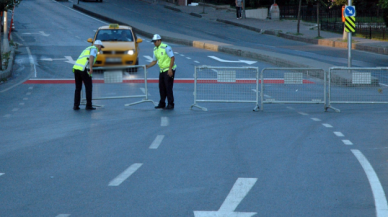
114,35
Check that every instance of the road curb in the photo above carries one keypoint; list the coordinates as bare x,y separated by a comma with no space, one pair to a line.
172,8
8,72
196,15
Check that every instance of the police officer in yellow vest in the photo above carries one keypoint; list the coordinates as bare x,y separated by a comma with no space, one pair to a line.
83,70
164,56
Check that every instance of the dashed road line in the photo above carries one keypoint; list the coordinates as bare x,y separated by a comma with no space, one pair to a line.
290,108
347,142
15,109
30,88
143,90
176,53
339,134
25,98
196,61
188,58
164,122
28,93
2,174
377,190
63,215
156,143
22,103
302,113
125,175
182,55
7,116
327,125
315,119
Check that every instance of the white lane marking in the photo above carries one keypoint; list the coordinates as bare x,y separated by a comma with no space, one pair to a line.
7,116
125,175
149,58
31,60
377,189
30,88
78,37
232,61
339,134
176,53
347,142
22,103
302,113
28,93
290,108
182,55
188,58
383,84
315,119
1,174
143,90
17,35
63,215
25,98
196,61
158,140
239,190
164,122
15,109
327,125
69,60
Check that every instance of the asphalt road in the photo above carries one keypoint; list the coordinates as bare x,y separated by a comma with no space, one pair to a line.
288,160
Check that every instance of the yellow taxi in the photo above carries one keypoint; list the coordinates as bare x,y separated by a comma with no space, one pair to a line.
121,46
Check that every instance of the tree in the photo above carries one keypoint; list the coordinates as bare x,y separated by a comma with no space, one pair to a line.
384,5
6,5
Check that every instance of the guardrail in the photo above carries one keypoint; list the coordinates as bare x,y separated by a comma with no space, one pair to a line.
226,85
293,86
115,75
363,86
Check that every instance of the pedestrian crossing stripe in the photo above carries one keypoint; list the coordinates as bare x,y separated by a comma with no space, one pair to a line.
350,24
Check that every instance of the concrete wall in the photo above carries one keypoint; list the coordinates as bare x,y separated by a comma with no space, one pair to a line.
260,13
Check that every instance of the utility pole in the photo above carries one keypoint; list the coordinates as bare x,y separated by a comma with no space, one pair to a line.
349,42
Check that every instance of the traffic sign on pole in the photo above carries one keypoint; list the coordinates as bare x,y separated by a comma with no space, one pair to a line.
350,24
350,11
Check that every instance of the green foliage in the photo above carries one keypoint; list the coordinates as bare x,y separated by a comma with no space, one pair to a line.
8,4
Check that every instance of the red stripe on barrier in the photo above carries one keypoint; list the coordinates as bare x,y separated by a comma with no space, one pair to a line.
139,81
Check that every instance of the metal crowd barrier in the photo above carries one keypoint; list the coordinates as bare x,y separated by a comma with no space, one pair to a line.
226,85
116,74
293,86
357,85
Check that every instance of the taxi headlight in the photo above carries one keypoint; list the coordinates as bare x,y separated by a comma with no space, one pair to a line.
130,52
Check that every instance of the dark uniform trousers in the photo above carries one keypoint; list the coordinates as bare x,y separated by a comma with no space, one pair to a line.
166,84
82,76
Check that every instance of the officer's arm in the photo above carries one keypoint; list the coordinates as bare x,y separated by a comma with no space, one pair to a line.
91,61
151,64
172,62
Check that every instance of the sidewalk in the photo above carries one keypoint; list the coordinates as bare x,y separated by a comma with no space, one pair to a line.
282,28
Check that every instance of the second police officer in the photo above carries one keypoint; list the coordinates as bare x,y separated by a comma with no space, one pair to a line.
164,56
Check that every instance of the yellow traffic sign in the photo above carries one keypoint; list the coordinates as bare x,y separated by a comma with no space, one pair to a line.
350,24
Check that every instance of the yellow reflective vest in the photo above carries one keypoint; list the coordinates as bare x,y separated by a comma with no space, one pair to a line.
163,59
83,60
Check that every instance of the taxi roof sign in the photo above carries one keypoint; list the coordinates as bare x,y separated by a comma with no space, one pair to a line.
113,26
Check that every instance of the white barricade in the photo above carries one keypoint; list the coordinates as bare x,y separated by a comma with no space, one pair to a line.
357,85
226,85
115,82
293,85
